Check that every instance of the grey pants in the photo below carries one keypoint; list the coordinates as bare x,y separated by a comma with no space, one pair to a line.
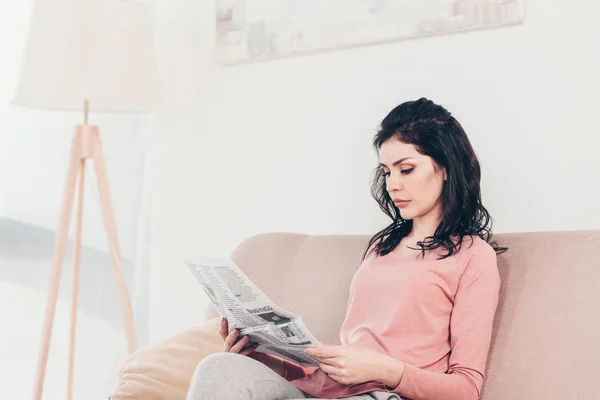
229,376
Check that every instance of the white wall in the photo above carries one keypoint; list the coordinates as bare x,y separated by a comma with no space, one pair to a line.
285,145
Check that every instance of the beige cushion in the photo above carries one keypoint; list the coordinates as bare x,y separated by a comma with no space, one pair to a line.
164,370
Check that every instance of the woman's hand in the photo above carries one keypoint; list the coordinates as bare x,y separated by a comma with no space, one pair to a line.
352,364
230,346
233,343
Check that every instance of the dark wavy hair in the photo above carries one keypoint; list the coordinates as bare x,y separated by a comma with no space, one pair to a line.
437,134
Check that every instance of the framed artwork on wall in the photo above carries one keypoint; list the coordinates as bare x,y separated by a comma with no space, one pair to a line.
254,30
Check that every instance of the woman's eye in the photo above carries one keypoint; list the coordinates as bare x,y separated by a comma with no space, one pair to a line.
403,172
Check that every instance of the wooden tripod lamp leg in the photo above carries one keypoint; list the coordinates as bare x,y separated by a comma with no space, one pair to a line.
58,258
76,266
108,218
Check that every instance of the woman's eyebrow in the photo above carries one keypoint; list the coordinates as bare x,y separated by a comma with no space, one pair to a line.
395,162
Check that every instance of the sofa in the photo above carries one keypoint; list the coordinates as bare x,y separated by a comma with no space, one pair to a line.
546,338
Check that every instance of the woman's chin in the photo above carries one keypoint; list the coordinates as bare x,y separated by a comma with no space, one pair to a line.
406,215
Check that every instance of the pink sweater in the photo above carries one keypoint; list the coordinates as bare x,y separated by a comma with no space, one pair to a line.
436,316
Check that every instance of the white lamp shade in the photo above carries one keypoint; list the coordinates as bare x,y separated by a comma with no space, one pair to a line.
99,50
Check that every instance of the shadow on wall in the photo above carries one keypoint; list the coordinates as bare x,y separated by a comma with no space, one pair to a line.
26,253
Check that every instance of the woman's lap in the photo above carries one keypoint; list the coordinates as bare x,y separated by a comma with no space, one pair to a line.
232,376
226,376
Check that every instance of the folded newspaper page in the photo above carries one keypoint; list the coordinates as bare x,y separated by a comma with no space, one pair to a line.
275,330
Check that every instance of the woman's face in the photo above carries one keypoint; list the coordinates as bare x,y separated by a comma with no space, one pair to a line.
414,179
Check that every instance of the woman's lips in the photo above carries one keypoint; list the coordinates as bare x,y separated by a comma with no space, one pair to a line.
401,203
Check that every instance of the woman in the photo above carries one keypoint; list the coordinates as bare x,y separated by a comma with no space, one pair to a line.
422,303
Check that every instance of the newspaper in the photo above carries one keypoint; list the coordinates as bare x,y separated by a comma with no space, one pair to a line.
276,331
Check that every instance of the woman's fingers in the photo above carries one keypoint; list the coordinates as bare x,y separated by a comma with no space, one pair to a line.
223,328
239,345
334,362
230,345
230,339
329,369
249,350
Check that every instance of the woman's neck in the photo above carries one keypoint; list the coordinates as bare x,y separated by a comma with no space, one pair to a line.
425,226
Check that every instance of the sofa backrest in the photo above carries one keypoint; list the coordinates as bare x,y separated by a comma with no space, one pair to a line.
546,340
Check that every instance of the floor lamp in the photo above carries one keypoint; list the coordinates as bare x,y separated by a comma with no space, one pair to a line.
82,55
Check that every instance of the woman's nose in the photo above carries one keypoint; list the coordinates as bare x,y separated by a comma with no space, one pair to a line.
394,183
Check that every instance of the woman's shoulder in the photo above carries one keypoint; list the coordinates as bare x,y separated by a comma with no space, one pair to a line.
479,259
474,245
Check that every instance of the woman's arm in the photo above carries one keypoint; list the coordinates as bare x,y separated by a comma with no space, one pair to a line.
391,372
471,323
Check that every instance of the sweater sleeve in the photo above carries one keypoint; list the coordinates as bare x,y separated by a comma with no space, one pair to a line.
471,323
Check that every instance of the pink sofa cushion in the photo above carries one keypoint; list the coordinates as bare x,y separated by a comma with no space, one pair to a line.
545,342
